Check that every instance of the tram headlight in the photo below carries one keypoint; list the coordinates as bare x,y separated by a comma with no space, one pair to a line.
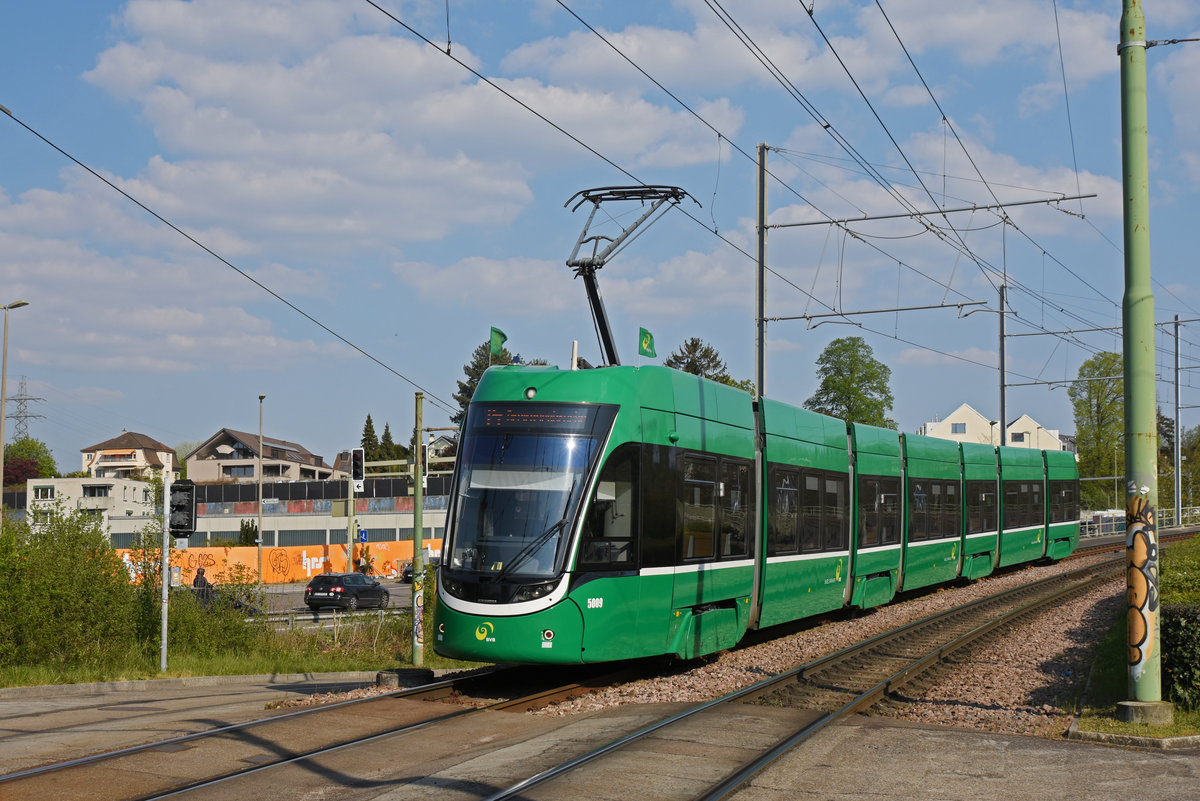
531,592
451,586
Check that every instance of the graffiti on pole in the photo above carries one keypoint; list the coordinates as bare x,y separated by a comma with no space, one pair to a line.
1141,562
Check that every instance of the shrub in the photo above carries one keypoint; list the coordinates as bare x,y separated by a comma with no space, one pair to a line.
65,598
1180,626
1179,622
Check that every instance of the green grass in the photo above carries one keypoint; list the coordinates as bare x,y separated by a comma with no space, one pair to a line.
218,641
1109,685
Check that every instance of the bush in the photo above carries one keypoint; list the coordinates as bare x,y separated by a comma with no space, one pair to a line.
1180,627
65,598
1179,622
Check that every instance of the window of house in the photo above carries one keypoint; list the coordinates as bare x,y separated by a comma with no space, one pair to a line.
43,493
96,490
958,428
1017,436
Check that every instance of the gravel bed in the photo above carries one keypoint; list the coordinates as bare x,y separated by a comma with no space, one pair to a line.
1026,682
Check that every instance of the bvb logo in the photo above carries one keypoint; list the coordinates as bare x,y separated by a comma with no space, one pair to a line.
484,631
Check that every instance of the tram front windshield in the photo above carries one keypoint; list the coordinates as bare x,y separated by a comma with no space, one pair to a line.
522,471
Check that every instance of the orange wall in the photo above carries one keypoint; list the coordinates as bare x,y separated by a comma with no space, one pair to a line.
284,565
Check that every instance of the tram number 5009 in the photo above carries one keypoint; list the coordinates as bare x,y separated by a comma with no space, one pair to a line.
595,603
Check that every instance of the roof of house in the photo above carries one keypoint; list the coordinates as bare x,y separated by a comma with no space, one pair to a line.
292,451
130,440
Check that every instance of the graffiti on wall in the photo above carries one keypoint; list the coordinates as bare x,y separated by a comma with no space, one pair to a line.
1141,564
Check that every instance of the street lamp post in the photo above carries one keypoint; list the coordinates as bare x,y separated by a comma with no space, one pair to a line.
4,387
260,495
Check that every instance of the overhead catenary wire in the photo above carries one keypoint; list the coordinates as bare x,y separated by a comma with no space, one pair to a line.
963,249
441,403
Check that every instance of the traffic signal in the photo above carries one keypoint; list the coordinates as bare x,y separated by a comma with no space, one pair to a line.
357,464
181,507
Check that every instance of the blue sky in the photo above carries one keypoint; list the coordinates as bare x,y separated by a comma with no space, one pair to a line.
390,193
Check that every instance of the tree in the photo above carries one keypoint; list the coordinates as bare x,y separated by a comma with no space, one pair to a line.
854,385
19,470
387,448
481,360
248,533
35,449
1099,407
370,442
699,358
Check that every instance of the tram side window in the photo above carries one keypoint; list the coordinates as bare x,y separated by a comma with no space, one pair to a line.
610,530
1037,504
737,505
919,501
951,511
1062,503
981,506
833,514
878,511
810,514
1021,504
784,517
699,509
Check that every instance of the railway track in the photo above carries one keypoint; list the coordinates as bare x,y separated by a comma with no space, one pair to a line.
210,757
800,702
729,738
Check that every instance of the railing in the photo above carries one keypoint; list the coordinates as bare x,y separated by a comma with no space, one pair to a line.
1112,521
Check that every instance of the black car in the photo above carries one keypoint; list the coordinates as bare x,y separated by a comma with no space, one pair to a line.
406,571
345,590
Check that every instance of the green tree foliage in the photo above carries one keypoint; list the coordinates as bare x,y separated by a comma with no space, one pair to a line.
481,360
248,533
389,449
699,358
65,597
854,385
1099,408
369,441
35,449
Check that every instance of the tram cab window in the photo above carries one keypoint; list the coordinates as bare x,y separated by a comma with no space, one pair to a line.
610,529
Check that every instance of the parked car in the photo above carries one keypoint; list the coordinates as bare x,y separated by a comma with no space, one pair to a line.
406,571
345,590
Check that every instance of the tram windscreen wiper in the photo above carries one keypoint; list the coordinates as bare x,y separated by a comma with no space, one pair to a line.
523,555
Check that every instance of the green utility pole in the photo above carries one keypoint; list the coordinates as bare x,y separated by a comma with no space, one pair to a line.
418,574
1141,434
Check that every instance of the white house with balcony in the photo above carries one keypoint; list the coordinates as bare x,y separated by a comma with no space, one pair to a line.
965,424
130,455
108,499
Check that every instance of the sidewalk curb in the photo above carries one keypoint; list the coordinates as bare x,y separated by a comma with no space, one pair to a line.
136,685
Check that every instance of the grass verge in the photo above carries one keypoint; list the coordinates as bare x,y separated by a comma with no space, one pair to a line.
1109,684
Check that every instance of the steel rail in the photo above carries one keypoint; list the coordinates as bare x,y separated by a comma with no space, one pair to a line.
435,690
802,671
737,779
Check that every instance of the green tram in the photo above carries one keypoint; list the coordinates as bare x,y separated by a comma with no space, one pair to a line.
626,512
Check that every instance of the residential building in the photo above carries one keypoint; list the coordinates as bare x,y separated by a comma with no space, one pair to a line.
130,455
230,455
965,424
113,500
